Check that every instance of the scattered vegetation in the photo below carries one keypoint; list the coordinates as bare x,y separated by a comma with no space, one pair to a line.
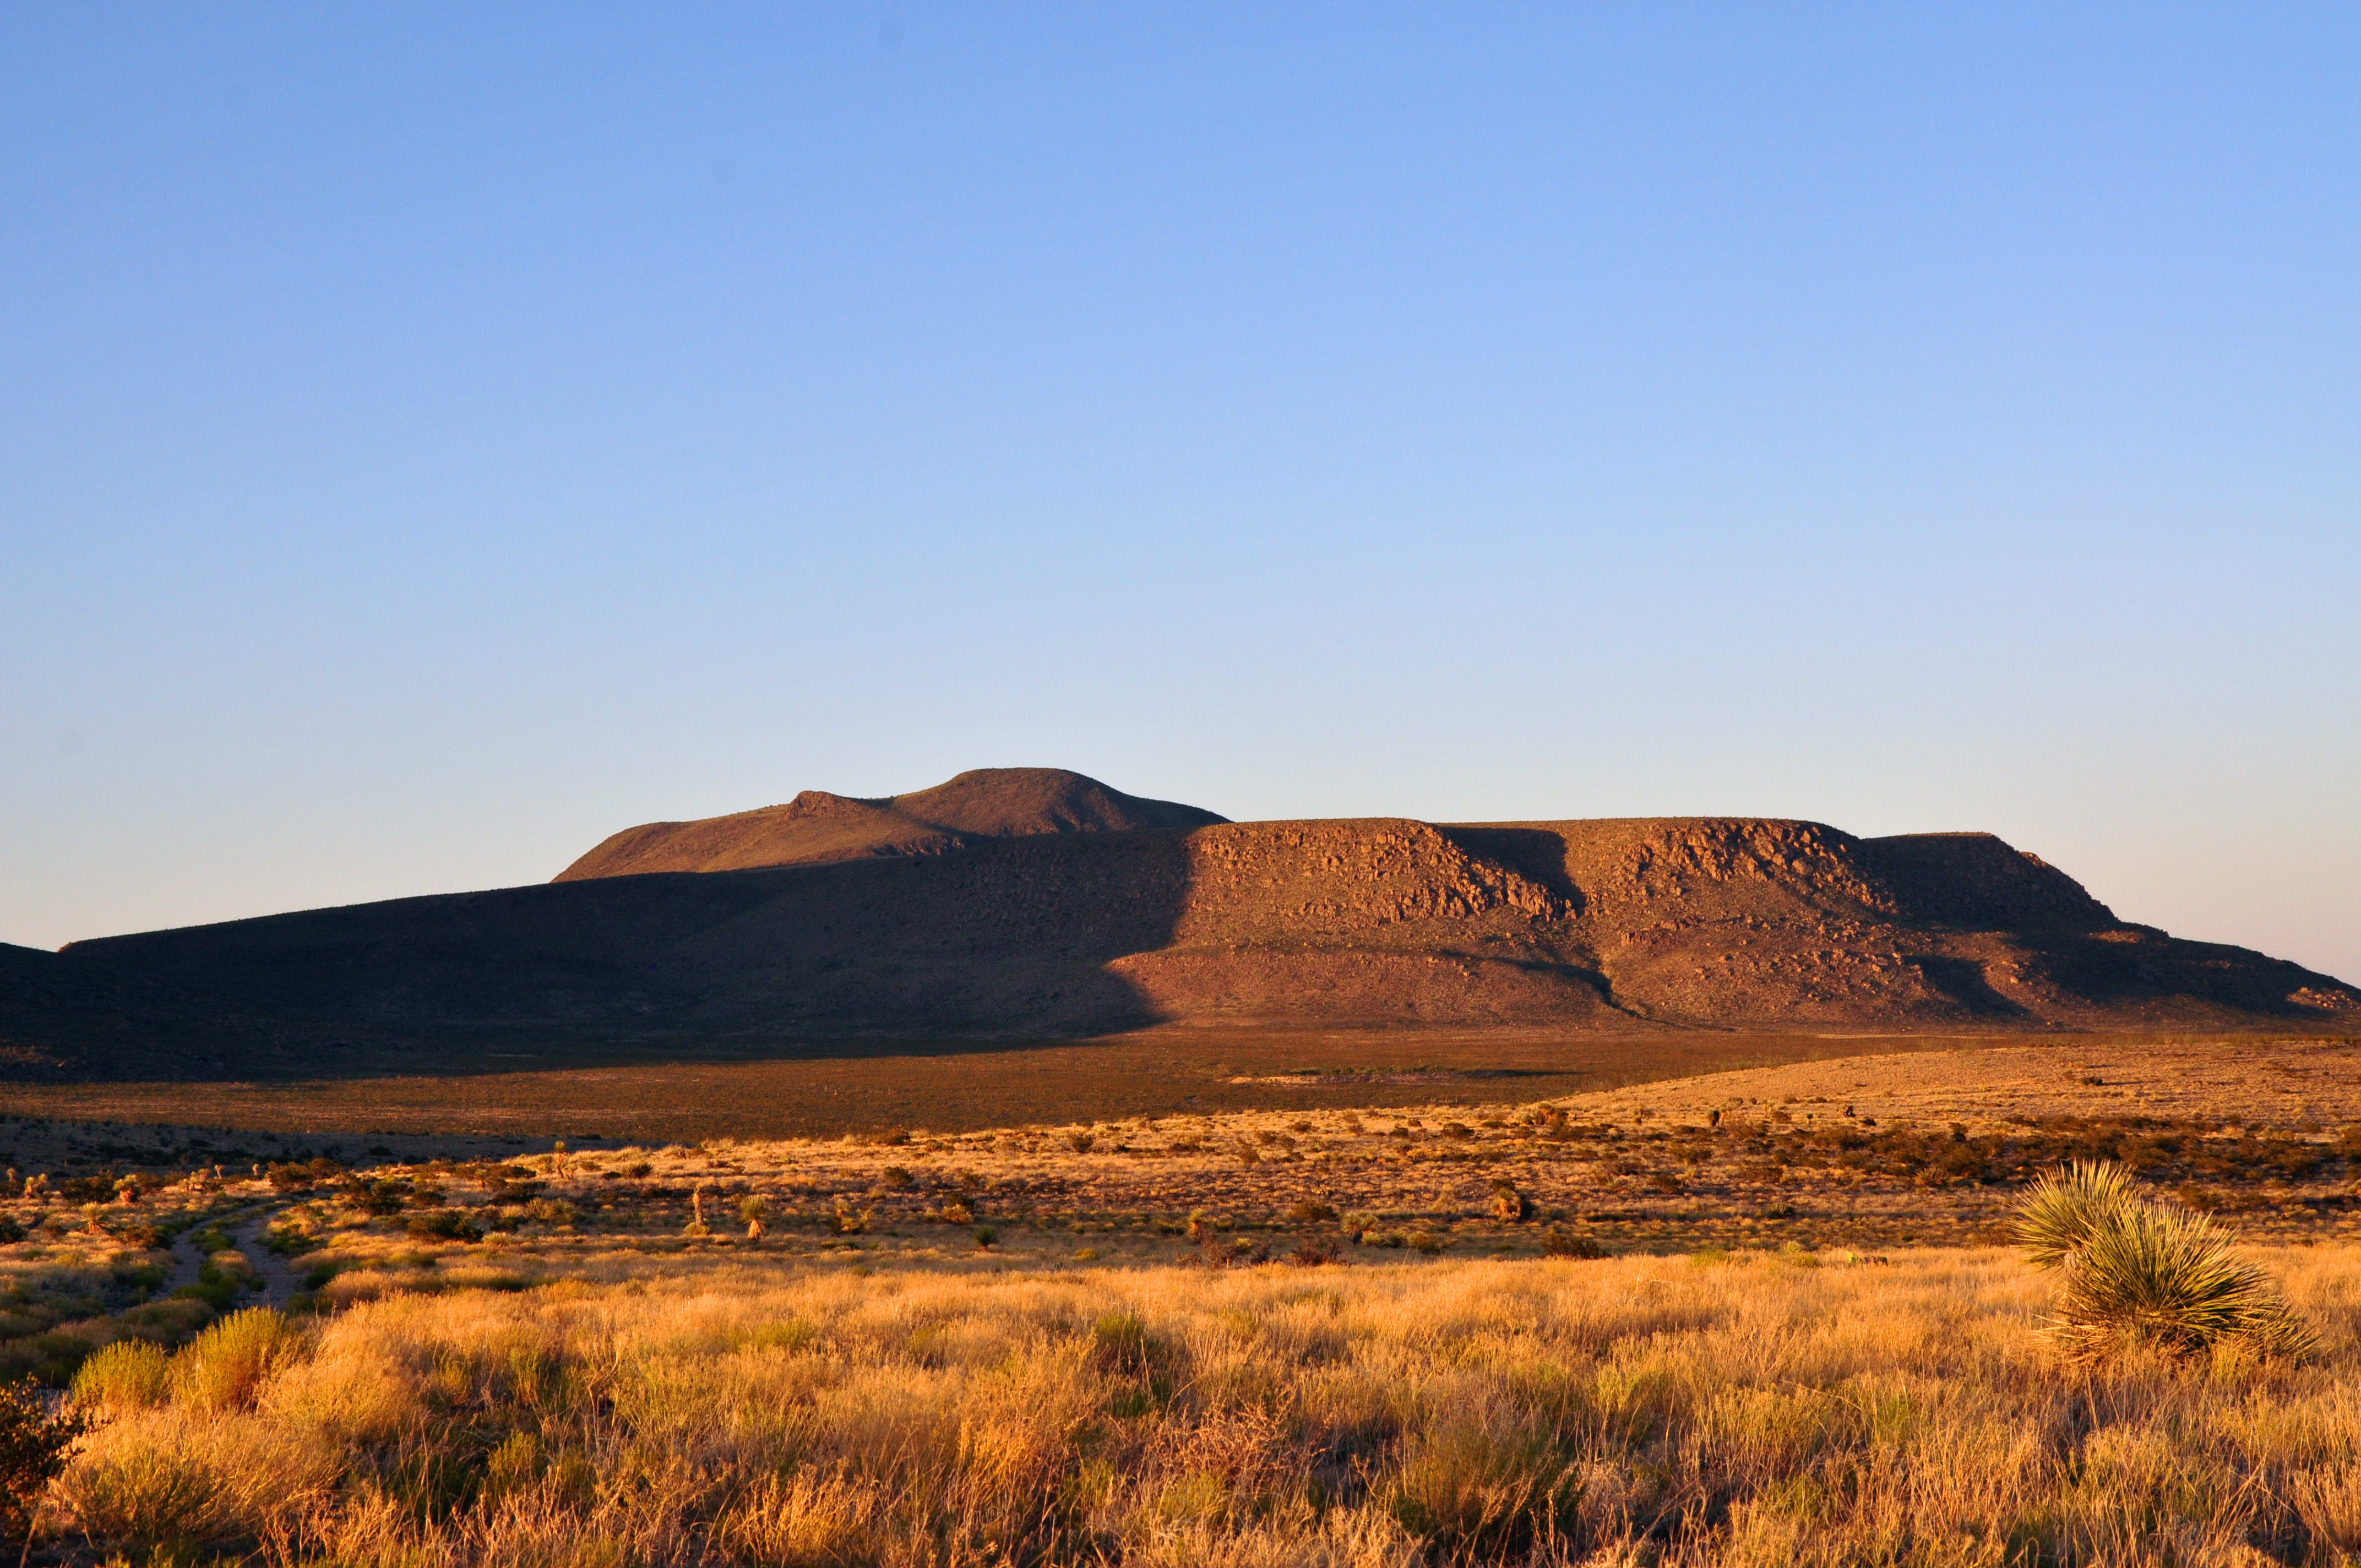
1386,1338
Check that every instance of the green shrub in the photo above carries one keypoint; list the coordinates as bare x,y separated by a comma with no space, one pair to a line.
224,1366
149,1496
1562,1242
513,1466
49,1358
129,1375
1119,1342
33,1447
445,1225
166,1323
2148,1274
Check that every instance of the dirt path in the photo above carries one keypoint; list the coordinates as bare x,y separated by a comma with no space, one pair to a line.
245,1230
271,1269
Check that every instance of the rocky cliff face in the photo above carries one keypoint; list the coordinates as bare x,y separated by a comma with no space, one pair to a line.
1692,923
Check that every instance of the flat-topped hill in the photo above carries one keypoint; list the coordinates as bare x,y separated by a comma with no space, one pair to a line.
817,827
1374,923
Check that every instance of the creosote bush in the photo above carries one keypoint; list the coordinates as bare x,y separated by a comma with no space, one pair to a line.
223,1368
126,1375
2139,1273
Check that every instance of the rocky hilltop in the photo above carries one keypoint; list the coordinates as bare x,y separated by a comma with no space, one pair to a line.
817,827
1381,924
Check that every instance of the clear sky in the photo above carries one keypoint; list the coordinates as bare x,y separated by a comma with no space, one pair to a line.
432,439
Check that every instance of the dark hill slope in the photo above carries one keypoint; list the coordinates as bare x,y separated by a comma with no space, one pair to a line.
63,1018
1691,922
817,827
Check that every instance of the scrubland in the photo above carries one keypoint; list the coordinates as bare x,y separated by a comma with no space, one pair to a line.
1753,1318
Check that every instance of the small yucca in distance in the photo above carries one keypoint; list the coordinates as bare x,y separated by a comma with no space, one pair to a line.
2139,1273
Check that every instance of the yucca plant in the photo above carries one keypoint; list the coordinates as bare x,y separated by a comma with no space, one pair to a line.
2148,1274
2057,1217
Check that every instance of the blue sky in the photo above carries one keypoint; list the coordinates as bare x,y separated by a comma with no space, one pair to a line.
435,438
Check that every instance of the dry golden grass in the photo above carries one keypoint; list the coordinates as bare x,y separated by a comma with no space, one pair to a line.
1157,1359
1751,1409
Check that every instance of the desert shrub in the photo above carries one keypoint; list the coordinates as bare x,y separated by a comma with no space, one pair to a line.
164,1323
1119,1342
146,1493
445,1227
293,1178
34,1446
2148,1273
49,1359
1310,1212
1510,1204
1562,1243
126,1375
441,1224
224,1367
513,1466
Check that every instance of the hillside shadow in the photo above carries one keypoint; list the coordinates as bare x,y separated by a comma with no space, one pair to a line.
1006,942
1962,980
1537,854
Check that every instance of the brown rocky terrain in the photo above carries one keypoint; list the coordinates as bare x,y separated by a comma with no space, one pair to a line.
1380,924
817,827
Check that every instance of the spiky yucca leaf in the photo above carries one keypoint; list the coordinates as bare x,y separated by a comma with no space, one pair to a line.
2162,1277
2058,1214
2274,1330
